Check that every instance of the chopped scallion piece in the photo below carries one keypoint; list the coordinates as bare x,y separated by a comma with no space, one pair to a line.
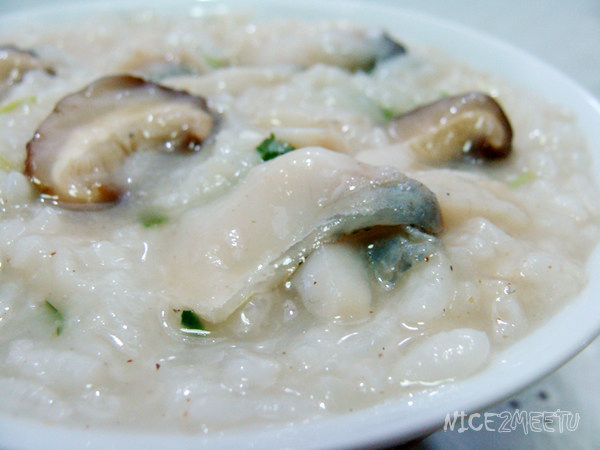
387,113
272,148
152,219
215,62
11,106
6,165
368,65
191,324
524,178
56,315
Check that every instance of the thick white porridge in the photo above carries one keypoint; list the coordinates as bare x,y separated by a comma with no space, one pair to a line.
199,282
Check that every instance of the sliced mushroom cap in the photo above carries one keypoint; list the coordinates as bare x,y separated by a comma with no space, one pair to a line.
472,125
388,48
256,236
14,62
380,47
153,63
76,150
337,44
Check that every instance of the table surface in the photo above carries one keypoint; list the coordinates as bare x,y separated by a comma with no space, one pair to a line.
565,34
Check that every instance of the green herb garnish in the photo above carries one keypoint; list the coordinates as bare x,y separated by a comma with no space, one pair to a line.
153,219
524,178
11,106
272,148
215,62
56,315
387,113
6,165
367,66
191,324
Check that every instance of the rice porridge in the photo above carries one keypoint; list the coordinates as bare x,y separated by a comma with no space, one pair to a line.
213,222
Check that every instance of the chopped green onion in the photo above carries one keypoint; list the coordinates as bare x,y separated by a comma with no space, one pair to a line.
368,65
56,315
215,62
524,178
272,148
11,106
191,324
152,219
6,165
387,113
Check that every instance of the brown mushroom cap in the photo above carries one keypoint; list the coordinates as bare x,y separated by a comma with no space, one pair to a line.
472,125
14,62
74,153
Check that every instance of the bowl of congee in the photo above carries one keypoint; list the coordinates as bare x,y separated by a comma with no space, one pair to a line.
261,224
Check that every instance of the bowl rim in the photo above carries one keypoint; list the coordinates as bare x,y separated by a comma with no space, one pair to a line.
512,369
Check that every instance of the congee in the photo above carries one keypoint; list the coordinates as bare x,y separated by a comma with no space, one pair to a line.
211,221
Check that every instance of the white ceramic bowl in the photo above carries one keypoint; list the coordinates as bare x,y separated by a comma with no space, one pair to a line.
533,357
